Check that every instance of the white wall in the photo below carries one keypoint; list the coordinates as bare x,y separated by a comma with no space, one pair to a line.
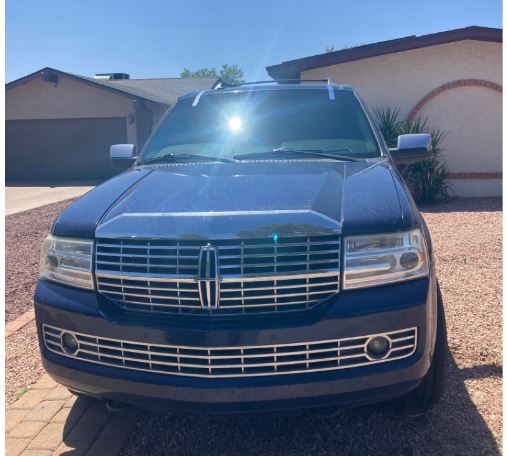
471,116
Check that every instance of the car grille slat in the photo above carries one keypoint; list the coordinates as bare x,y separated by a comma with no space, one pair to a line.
233,361
280,287
254,276
292,263
279,254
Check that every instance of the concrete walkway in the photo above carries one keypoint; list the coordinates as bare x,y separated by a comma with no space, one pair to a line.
19,199
48,421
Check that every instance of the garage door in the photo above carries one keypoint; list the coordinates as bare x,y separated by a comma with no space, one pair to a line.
61,149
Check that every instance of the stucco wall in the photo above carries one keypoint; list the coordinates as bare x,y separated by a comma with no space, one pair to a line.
471,116
472,119
403,78
37,99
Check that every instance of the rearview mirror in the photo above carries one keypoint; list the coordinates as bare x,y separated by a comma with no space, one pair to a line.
123,156
412,148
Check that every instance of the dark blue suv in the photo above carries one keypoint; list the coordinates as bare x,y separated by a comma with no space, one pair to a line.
261,253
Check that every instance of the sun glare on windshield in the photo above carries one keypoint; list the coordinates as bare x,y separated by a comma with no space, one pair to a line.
235,124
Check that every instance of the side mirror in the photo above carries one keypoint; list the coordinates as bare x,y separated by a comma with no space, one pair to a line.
123,156
412,148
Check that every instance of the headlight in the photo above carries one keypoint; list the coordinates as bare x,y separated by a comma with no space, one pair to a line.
384,258
68,261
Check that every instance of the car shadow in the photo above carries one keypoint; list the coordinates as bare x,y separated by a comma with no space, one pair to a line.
453,427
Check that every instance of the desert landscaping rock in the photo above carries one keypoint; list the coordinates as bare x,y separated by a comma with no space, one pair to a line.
24,233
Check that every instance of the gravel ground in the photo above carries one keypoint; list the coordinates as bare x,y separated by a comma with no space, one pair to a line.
24,233
22,360
467,237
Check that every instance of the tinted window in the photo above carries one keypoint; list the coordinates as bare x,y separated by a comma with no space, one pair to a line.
249,122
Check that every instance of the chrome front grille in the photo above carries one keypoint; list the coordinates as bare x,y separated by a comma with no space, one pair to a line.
228,362
257,295
253,257
253,275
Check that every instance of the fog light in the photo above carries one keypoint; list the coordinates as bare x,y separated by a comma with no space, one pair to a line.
378,347
69,343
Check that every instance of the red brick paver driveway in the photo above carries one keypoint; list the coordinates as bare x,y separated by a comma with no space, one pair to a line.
48,420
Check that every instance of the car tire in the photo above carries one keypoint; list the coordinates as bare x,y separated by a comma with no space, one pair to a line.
430,390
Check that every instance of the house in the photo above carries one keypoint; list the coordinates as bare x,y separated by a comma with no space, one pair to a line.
452,78
59,125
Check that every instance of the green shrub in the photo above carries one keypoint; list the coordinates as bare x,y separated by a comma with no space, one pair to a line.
427,179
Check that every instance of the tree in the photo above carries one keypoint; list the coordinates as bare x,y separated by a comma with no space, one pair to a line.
201,73
330,49
230,74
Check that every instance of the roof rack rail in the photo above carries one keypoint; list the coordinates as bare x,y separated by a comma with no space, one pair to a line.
220,84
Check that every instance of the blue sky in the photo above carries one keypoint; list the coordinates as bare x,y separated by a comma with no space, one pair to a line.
158,38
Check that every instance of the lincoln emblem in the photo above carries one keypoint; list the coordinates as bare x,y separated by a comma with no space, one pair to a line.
208,277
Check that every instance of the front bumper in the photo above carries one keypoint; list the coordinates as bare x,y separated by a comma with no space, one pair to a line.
349,314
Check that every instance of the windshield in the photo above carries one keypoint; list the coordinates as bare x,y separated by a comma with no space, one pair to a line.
272,121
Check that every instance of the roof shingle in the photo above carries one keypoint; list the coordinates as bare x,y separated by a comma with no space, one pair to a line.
159,90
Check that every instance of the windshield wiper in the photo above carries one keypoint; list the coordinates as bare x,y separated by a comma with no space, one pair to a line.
174,157
328,153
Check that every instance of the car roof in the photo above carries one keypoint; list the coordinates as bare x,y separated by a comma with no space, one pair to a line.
271,86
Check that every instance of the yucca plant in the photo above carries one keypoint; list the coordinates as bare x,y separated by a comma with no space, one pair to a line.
427,180
389,122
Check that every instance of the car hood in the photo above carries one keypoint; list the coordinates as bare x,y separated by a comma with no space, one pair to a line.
250,199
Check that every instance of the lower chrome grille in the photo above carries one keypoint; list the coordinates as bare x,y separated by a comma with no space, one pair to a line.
242,295
233,361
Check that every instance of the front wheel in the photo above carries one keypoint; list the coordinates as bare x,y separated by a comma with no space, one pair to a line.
430,390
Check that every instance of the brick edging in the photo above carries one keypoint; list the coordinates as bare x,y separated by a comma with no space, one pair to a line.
15,325
453,85
490,175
